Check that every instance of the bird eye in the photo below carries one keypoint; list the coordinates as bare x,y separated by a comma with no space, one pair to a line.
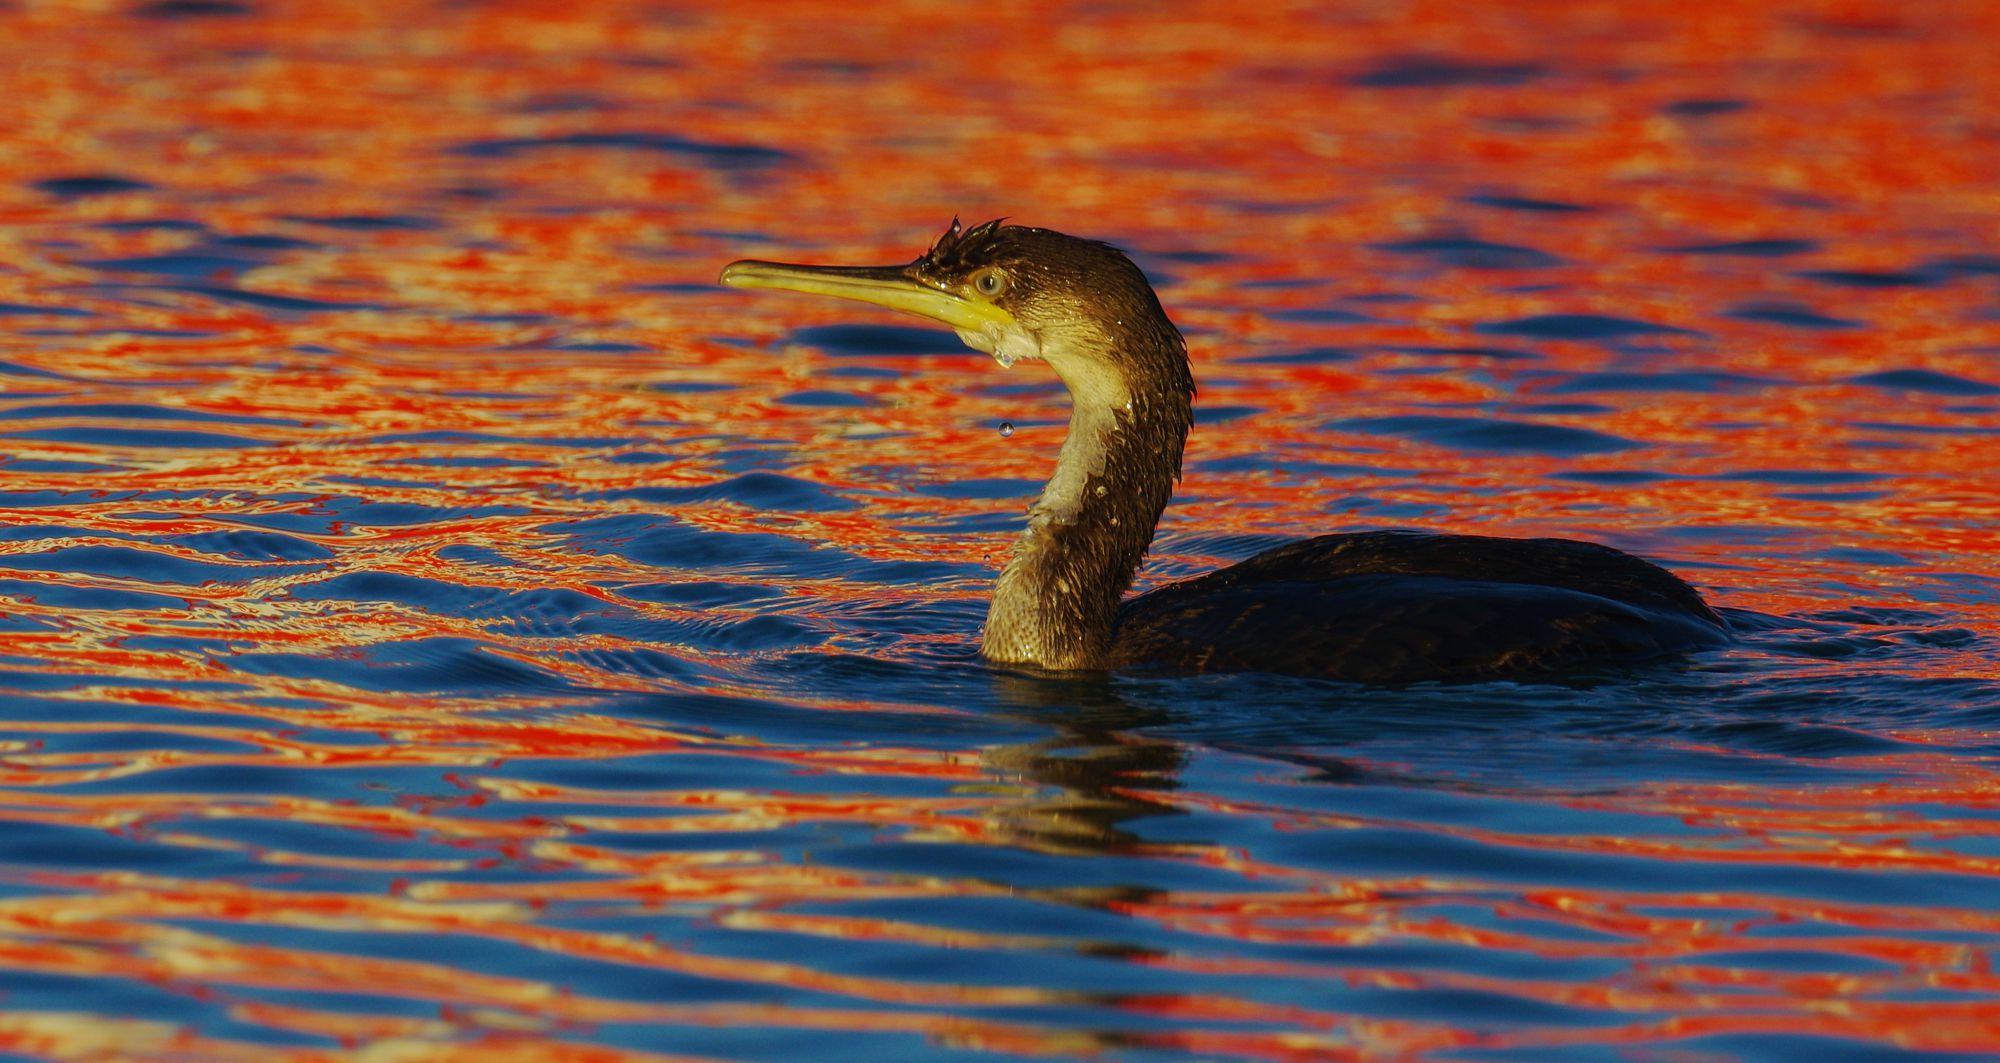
989,282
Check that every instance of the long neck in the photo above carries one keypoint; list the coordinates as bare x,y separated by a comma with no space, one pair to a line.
1056,601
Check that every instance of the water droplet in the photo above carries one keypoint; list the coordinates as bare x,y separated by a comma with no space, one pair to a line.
1005,359
1006,429
1101,490
1114,522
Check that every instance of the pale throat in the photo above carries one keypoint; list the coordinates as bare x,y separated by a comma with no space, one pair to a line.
1097,392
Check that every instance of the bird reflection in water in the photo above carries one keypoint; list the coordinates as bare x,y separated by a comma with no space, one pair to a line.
1095,773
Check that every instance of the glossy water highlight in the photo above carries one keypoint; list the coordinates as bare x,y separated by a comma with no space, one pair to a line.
439,623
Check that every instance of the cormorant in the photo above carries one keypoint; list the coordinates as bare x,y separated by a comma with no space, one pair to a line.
1372,607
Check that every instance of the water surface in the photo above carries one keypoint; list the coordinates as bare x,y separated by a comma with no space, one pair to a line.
441,624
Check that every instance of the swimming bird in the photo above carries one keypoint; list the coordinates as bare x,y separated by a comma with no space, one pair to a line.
1373,607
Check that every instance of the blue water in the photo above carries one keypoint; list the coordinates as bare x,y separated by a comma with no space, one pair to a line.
439,622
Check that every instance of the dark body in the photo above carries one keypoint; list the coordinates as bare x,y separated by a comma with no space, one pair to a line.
1402,606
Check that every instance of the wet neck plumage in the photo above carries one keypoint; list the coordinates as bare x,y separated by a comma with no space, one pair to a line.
1055,603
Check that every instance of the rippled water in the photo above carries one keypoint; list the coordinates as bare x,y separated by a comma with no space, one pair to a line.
442,624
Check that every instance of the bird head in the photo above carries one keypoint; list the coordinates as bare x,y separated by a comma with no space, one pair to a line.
1016,293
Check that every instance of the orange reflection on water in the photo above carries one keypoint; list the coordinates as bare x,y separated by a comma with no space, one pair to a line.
470,323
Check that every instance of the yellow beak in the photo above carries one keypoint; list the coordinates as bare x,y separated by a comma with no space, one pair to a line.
889,286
